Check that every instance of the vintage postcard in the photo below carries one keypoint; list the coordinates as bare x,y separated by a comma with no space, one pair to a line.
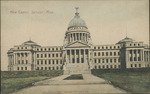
75,47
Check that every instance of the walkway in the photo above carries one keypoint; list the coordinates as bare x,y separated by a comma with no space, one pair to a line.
89,85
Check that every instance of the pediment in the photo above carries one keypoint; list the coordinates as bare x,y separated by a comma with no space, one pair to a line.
78,44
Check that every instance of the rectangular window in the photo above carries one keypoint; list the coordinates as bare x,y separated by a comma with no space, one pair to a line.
95,61
57,61
95,54
139,65
110,66
45,55
110,53
52,55
53,62
21,68
131,65
102,53
49,55
115,60
38,62
49,68
103,60
22,61
77,60
18,61
98,53
60,61
114,53
135,65
103,66
56,55
26,61
25,68
49,61
110,60
41,68
41,55
106,60
106,53
45,62
99,61
118,53
45,68
73,61
17,68
82,60
60,54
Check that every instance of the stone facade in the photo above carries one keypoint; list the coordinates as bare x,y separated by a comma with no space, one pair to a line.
78,54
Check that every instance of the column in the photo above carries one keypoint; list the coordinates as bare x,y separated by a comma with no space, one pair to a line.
89,57
70,57
136,55
14,58
84,55
79,36
140,55
75,56
132,55
79,55
127,56
75,36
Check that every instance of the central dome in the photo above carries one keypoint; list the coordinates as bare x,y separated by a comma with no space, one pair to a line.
77,22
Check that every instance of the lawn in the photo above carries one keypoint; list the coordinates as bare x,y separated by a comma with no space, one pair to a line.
132,80
13,81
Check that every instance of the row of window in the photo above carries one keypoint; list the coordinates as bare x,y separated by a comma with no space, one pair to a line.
106,53
49,55
21,68
49,68
22,47
135,51
106,66
106,60
135,59
22,61
107,47
135,65
49,62
48,49
135,44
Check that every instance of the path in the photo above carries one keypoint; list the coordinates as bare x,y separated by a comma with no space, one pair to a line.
90,85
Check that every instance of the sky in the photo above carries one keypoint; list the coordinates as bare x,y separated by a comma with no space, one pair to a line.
45,22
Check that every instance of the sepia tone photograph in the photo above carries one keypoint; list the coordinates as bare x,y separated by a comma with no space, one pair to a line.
75,47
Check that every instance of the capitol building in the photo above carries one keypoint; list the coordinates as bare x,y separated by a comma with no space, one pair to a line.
78,54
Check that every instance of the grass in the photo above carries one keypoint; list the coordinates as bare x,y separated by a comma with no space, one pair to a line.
132,80
75,77
15,80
